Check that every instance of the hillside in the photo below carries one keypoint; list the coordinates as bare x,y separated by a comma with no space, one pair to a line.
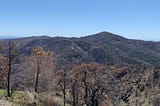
104,48
127,70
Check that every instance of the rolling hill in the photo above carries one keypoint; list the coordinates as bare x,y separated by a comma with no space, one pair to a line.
104,48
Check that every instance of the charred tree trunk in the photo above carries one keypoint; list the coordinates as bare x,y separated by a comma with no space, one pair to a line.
86,89
64,89
37,78
36,83
9,69
74,94
8,79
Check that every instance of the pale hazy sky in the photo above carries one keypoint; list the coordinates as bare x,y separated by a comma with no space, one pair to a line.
138,19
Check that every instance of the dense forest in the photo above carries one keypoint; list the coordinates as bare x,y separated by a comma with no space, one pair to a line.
97,70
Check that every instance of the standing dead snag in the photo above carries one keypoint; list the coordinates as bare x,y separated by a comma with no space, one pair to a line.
75,87
12,57
92,77
43,65
63,80
9,58
10,48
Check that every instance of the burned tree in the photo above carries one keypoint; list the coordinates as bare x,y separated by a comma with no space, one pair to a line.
43,67
8,58
63,81
93,80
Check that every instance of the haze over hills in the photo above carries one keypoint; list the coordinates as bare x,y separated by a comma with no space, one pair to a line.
104,48
57,53
10,37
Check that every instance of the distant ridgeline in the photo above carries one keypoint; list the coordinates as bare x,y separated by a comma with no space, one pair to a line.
104,48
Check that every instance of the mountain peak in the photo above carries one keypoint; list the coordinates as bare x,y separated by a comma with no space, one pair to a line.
104,32
105,36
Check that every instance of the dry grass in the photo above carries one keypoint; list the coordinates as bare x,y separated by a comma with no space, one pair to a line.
5,103
26,98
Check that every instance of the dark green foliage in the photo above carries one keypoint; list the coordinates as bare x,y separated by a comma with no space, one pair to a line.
104,48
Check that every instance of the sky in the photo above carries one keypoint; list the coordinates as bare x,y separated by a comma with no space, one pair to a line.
134,19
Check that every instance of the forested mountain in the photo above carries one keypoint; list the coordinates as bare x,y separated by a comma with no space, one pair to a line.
104,48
